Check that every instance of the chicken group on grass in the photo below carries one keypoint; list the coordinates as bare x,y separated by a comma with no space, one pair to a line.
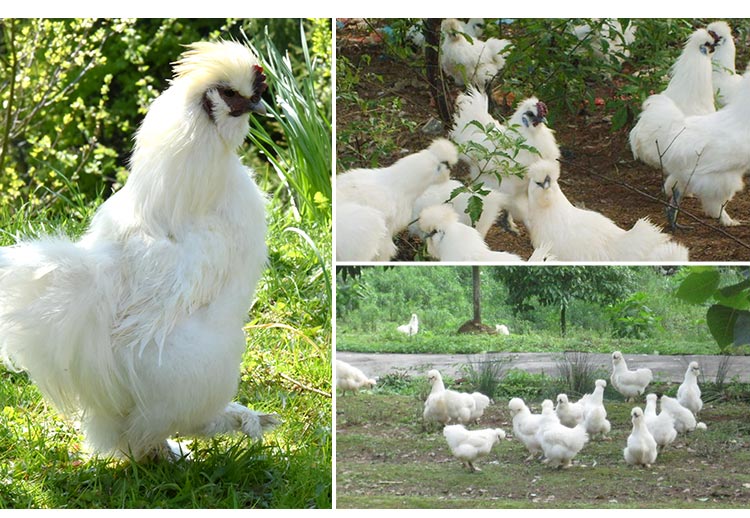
515,164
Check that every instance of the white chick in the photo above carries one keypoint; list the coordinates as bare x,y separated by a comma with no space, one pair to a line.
684,420
630,384
450,240
349,377
390,190
559,443
445,405
641,448
525,426
410,329
492,204
570,414
575,234
528,123
470,445
594,413
661,426
725,77
481,403
689,393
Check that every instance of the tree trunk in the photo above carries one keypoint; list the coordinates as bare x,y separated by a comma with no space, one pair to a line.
476,297
432,64
563,323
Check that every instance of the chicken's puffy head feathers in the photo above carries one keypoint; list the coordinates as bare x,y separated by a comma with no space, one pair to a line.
531,113
702,41
636,414
544,173
694,368
226,80
516,405
616,357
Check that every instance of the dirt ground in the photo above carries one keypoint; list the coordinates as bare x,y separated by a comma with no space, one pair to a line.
598,171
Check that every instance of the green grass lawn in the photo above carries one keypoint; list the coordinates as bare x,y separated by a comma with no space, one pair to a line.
385,458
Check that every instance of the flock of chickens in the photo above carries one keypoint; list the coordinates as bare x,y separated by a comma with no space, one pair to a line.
702,152
560,431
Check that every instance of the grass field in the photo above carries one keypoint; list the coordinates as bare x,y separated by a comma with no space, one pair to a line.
385,458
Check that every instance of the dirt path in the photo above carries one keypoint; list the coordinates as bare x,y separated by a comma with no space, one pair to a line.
665,368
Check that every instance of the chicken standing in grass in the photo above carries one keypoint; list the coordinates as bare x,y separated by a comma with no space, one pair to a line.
684,420
136,329
389,191
470,445
445,405
525,426
349,377
689,393
630,384
594,413
661,426
410,329
641,448
560,444
574,234
569,413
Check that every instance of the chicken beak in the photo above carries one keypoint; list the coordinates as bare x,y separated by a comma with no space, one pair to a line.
258,108
547,181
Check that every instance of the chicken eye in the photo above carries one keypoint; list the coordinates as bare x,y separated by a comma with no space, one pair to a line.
228,92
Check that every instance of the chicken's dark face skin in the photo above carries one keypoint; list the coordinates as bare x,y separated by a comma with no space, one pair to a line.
238,105
536,118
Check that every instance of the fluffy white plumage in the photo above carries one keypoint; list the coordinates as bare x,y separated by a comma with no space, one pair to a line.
661,426
502,329
684,420
351,378
411,328
475,62
492,204
594,413
470,445
575,234
610,40
136,329
481,402
450,240
641,448
630,384
525,426
528,121
569,413
725,77
559,443
445,405
690,92
391,191
689,393
707,155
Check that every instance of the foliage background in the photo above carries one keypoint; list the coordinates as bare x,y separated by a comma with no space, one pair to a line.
73,92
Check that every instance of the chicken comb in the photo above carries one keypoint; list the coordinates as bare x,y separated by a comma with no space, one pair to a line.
541,109
259,84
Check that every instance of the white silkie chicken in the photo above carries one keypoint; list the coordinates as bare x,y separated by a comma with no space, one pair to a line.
450,240
492,204
660,425
641,448
707,155
594,413
690,92
689,393
528,124
525,426
410,329
610,40
475,62
684,420
470,445
136,329
725,77
630,384
351,378
569,413
481,402
389,190
560,444
574,234
502,329
445,405
474,27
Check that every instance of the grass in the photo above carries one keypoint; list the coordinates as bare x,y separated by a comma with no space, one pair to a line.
384,459
426,342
